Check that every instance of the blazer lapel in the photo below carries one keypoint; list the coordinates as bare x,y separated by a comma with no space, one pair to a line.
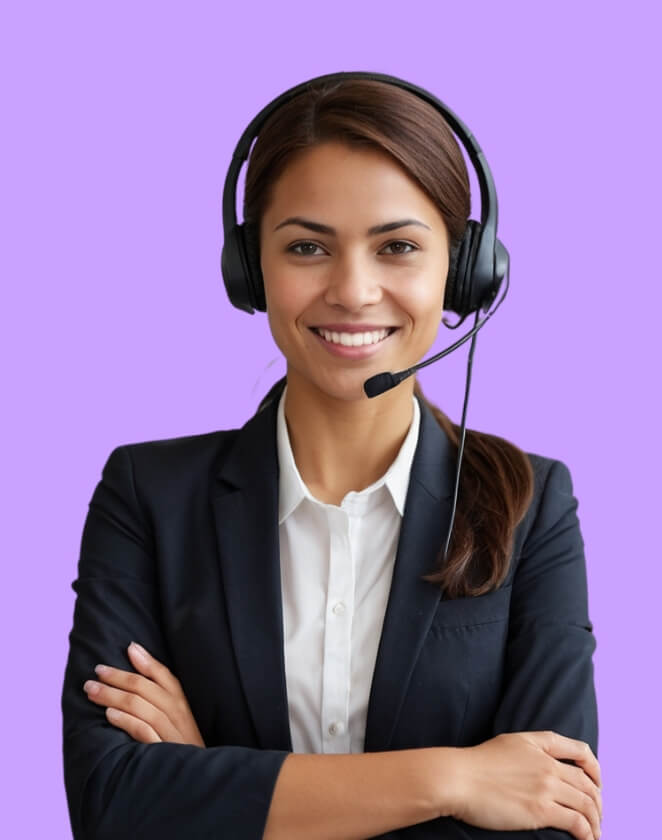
246,512
412,602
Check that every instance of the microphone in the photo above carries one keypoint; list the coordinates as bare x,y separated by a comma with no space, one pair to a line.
381,382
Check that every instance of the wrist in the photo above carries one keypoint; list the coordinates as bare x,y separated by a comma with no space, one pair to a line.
448,775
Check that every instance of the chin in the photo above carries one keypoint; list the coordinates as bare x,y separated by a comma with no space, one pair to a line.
341,385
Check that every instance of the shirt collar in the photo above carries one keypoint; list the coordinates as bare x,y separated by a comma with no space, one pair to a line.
292,490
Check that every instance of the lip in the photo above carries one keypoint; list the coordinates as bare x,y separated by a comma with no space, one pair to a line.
344,352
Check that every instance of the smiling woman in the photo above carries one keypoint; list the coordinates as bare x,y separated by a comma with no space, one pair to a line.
317,664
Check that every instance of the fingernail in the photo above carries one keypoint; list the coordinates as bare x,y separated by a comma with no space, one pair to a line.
139,650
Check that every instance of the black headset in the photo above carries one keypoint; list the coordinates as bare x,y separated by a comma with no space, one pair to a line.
477,266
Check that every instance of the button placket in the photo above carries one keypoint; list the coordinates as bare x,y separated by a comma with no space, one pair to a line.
337,635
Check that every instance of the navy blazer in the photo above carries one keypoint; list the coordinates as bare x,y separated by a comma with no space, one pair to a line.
180,553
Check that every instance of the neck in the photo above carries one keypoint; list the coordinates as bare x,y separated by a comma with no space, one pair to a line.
342,445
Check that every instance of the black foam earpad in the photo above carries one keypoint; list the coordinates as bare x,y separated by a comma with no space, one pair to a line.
241,271
460,296
251,240
449,290
234,269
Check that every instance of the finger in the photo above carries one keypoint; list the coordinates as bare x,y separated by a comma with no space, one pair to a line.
173,704
138,729
583,803
134,683
154,669
560,746
130,681
567,819
132,704
578,778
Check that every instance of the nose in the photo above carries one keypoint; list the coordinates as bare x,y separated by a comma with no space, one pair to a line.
353,284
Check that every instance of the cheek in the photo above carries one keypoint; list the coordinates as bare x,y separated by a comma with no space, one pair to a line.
425,306
285,306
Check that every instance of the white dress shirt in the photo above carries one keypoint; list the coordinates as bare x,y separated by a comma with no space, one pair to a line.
336,566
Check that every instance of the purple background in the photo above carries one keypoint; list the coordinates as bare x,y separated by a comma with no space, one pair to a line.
119,122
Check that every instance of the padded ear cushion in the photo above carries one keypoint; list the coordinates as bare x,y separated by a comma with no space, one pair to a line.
461,300
240,266
449,291
235,270
251,238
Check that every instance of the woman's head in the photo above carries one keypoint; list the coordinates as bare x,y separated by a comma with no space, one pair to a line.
354,155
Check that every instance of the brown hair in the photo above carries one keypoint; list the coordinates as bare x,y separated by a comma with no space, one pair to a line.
496,478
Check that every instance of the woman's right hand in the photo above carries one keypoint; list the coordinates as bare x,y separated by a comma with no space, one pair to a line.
514,782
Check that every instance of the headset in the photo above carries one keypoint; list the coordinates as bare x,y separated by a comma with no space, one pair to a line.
474,276
477,266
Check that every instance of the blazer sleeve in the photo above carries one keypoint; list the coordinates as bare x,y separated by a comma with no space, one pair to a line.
116,786
548,678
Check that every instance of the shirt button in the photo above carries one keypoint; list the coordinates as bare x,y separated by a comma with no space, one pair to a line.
336,728
339,608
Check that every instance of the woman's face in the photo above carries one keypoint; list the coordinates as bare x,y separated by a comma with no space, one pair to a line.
345,300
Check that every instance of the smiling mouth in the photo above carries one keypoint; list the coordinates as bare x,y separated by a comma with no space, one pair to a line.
354,339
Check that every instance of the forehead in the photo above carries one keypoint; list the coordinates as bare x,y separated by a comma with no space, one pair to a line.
335,177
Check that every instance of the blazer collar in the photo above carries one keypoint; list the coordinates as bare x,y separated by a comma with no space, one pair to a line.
245,503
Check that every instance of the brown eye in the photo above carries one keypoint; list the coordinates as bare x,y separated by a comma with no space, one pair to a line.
306,244
399,251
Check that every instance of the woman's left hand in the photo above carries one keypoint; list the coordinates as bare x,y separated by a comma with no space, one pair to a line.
150,706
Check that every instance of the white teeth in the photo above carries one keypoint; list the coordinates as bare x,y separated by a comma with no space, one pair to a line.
354,339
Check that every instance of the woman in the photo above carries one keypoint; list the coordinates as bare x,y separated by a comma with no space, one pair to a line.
316,665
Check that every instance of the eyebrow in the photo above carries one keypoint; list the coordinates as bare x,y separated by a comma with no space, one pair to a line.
373,231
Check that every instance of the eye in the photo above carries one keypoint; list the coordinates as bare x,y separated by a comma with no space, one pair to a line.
402,242
305,244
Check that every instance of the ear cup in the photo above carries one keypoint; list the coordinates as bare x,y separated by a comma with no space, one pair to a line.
235,270
458,296
473,284
251,241
449,291
241,270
